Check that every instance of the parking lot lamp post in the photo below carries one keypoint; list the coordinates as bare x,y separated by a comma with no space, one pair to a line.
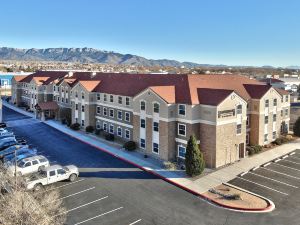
16,169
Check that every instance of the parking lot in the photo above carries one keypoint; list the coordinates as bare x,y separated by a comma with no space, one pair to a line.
111,191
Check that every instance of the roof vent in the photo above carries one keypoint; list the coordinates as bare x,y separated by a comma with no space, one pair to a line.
70,74
93,74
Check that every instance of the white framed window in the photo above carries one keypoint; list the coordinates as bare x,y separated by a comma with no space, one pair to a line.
267,103
238,128
58,98
62,89
274,117
127,134
120,100
181,129
143,105
62,99
98,109
67,101
111,113
82,108
76,94
266,119
127,101
274,135
105,127
181,151
275,102
182,110
127,116
82,123
105,97
155,148
120,115
143,123
53,88
142,143
54,97
286,98
98,96
248,121
286,112
156,108
239,109
104,111
156,126
111,128
266,138
98,125
82,95
119,131
76,106
111,98
247,139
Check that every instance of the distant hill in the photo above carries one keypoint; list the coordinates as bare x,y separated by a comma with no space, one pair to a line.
86,55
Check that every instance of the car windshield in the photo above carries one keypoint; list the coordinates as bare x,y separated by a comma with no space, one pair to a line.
21,164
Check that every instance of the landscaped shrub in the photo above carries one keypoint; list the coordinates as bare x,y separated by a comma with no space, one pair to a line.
130,146
278,141
257,148
169,165
64,121
89,129
296,127
75,126
110,137
97,131
250,150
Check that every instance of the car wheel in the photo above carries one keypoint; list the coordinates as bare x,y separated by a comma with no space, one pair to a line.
38,187
73,177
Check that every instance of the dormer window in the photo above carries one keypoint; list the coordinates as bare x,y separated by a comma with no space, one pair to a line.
156,108
181,110
239,109
143,105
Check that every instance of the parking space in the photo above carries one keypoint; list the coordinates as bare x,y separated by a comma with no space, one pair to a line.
278,180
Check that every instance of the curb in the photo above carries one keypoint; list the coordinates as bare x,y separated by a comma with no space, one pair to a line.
269,208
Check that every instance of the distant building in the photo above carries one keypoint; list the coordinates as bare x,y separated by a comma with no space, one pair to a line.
290,84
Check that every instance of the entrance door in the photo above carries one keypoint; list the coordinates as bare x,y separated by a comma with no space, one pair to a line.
241,150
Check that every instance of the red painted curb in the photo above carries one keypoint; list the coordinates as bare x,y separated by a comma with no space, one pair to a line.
170,181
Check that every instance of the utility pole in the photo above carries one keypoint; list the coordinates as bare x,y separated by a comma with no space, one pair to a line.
16,181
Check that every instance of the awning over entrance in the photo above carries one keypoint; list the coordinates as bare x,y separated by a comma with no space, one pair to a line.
46,106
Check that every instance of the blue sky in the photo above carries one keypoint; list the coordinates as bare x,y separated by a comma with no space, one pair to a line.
232,32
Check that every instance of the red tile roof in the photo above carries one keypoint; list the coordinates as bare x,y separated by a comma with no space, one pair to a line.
213,97
52,75
47,105
18,78
281,91
257,91
90,85
167,93
271,80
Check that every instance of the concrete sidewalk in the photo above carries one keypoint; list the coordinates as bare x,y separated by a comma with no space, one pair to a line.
200,185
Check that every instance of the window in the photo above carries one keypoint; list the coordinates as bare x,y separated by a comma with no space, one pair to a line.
62,89
53,88
181,151
143,106
82,108
266,119
155,127
98,125
105,111
111,113
82,95
105,126
286,112
142,143
57,98
54,98
247,139
57,88
155,148
76,120
181,129
275,102
111,98
27,164
82,123
127,133
181,110
105,97
247,121
52,173
286,98
238,128
76,94
119,131
120,100
35,162
111,128
61,171
120,115
274,117
127,116
62,99
76,106
127,101
98,109
274,135
239,109
266,138
143,123
281,113
67,101
267,103
156,107
98,96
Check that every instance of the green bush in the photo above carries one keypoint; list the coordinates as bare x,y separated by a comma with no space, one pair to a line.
296,127
89,129
97,131
110,137
257,148
194,161
130,146
75,126
250,150
278,141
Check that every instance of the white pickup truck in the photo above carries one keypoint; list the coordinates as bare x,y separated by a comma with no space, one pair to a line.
50,175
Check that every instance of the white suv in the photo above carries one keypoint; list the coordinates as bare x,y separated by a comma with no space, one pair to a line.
29,165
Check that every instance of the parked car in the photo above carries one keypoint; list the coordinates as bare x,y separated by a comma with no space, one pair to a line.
51,175
29,165
3,125
22,151
15,160
12,149
7,142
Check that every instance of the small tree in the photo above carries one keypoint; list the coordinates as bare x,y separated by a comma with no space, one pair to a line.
296,127
194,162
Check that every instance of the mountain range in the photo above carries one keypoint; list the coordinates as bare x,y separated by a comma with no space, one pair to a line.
86,55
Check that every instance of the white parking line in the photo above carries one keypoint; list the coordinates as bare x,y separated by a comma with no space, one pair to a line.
78,207
266,164
284,157
291,168
243,174
277,160
77,193
294,157
65,185
99,216
292,161
255,168
263,186
273,180
293,153
136,222
282,173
